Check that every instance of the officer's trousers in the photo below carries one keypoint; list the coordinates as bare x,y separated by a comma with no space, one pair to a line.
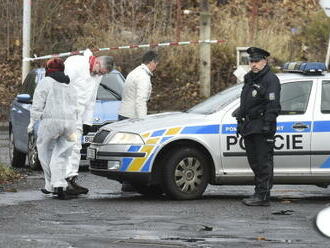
259,150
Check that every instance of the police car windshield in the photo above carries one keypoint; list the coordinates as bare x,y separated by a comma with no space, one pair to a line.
217,101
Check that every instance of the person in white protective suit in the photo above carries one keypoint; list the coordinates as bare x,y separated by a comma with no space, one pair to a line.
136,93
55,105
85,72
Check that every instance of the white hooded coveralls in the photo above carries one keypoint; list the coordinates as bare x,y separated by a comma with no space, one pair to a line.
136,93
77,67
55,105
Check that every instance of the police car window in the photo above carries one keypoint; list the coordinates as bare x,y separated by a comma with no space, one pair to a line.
325,98
111,87
294,97
217,101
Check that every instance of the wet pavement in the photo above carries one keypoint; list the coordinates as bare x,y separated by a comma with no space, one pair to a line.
108,218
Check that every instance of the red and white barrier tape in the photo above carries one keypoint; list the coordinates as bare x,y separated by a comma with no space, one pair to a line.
179,43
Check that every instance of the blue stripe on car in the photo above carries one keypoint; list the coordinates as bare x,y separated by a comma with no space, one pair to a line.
321,126
127,161
146,167
282,127
208,129
326,164
158,133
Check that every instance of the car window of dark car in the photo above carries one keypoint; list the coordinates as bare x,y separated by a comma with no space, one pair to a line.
31,81
29,84
111,87
325,98
295,97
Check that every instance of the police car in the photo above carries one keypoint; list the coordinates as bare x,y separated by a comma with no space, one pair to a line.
180,153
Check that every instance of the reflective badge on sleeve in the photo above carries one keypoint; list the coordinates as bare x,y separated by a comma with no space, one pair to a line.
272,96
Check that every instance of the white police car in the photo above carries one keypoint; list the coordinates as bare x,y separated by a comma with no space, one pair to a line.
180,153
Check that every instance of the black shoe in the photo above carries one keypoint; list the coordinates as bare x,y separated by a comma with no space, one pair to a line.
76,187
45,191
72,191
62,194
256,200
127,187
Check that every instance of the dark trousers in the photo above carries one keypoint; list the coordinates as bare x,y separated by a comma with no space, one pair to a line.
259,150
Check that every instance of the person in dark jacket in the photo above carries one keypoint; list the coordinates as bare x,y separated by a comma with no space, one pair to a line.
259,108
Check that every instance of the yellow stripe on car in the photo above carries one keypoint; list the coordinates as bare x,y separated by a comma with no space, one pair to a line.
173,131
137,164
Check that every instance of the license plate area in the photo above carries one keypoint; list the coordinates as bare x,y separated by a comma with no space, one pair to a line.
91,153
87,139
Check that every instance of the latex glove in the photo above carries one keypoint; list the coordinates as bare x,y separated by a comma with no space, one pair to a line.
72,137
30,128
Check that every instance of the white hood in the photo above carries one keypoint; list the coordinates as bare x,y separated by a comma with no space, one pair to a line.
161,121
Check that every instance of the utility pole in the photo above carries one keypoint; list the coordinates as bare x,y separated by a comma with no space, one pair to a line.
178,19
26,37
205,49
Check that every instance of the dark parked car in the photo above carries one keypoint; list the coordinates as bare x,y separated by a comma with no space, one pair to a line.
22,144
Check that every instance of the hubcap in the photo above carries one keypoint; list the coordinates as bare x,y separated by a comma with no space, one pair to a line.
188,174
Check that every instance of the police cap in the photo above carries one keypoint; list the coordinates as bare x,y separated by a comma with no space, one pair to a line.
256,54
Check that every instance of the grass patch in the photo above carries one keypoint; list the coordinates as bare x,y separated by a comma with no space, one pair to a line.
8,175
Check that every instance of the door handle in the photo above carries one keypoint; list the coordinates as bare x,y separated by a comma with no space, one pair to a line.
300,126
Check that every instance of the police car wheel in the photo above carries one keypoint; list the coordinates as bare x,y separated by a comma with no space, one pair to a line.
185,174
33,160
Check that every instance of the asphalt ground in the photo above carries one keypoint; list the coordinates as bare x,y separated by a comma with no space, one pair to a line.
107,217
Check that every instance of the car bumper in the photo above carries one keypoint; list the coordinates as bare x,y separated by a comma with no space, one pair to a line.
119,162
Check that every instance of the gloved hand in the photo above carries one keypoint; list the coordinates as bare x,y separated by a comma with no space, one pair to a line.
267,128
72,137
30,128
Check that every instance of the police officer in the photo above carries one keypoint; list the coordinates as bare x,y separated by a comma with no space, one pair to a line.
260,106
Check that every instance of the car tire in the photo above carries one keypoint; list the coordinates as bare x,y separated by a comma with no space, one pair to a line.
33,160
149,191
185,174
17,158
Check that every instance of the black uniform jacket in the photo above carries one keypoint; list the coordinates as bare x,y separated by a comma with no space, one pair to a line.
260,103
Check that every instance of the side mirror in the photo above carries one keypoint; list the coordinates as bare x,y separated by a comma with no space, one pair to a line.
24,98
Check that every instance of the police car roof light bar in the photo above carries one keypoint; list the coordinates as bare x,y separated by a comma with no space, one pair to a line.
308,68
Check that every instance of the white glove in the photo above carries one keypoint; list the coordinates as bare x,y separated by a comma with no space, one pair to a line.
72,137
30,127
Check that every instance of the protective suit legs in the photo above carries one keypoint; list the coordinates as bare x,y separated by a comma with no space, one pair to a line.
45,147
74,159
59,161
73,165
53,156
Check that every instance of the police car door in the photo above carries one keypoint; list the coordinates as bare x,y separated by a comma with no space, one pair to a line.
320,147
233,156
293,136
